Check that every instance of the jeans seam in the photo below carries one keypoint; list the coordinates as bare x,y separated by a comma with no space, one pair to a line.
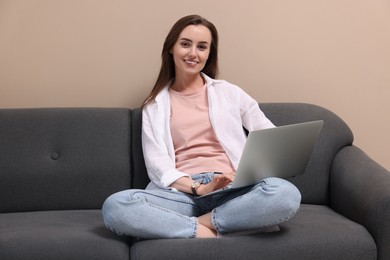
214,221
195,228
188,201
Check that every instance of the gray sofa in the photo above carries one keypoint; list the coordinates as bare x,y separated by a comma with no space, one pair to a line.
57,166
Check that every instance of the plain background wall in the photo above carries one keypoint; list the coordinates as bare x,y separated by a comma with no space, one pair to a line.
106,53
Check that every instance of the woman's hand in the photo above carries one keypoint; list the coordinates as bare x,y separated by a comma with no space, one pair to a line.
219,181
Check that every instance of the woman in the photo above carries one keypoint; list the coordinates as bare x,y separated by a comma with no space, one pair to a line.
192,136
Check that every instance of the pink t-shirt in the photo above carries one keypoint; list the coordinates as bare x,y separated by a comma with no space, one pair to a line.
196,146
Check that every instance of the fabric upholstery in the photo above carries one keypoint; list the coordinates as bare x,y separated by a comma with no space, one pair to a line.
56,235
62,158
360,191
140,176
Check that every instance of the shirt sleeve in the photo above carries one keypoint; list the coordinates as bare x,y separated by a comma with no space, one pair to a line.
253,118
160,164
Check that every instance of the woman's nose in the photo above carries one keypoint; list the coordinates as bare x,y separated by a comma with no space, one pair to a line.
192,52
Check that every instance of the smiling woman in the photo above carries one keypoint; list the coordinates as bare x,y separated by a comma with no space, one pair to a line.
192,127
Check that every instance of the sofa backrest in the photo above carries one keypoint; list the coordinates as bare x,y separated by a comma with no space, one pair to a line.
314,183
140,177
62,158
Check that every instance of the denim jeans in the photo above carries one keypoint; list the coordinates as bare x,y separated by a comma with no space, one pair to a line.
164,213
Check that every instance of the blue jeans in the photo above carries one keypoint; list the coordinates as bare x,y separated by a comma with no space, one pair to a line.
167,213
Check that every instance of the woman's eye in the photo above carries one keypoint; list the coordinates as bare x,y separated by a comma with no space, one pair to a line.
202,47
185,44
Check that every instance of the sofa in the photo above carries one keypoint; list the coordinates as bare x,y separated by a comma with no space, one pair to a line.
58,165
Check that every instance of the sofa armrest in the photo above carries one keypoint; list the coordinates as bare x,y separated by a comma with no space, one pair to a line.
360,190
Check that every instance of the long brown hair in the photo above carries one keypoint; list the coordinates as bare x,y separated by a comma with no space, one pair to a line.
167,70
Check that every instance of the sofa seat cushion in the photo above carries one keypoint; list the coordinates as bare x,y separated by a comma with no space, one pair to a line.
76,234
316,232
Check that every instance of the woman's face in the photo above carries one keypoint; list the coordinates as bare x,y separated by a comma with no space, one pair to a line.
191,50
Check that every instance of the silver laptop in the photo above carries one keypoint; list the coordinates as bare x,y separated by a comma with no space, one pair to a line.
282,152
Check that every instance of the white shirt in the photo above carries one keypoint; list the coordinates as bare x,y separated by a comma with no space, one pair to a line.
230,110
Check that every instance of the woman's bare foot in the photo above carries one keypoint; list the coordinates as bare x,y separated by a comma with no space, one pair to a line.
205,227
205,232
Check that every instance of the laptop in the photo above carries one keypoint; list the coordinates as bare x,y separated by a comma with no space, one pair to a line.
282,152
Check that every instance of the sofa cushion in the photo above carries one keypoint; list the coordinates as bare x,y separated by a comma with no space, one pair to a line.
316,232
56,235
62,158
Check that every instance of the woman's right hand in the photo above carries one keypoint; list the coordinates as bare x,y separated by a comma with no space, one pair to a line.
219,181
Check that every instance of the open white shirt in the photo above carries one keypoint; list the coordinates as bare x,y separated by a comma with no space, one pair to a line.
230,109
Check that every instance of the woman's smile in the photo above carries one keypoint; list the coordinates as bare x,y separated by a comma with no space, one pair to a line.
191,62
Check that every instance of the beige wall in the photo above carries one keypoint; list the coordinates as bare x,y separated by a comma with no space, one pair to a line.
336,54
